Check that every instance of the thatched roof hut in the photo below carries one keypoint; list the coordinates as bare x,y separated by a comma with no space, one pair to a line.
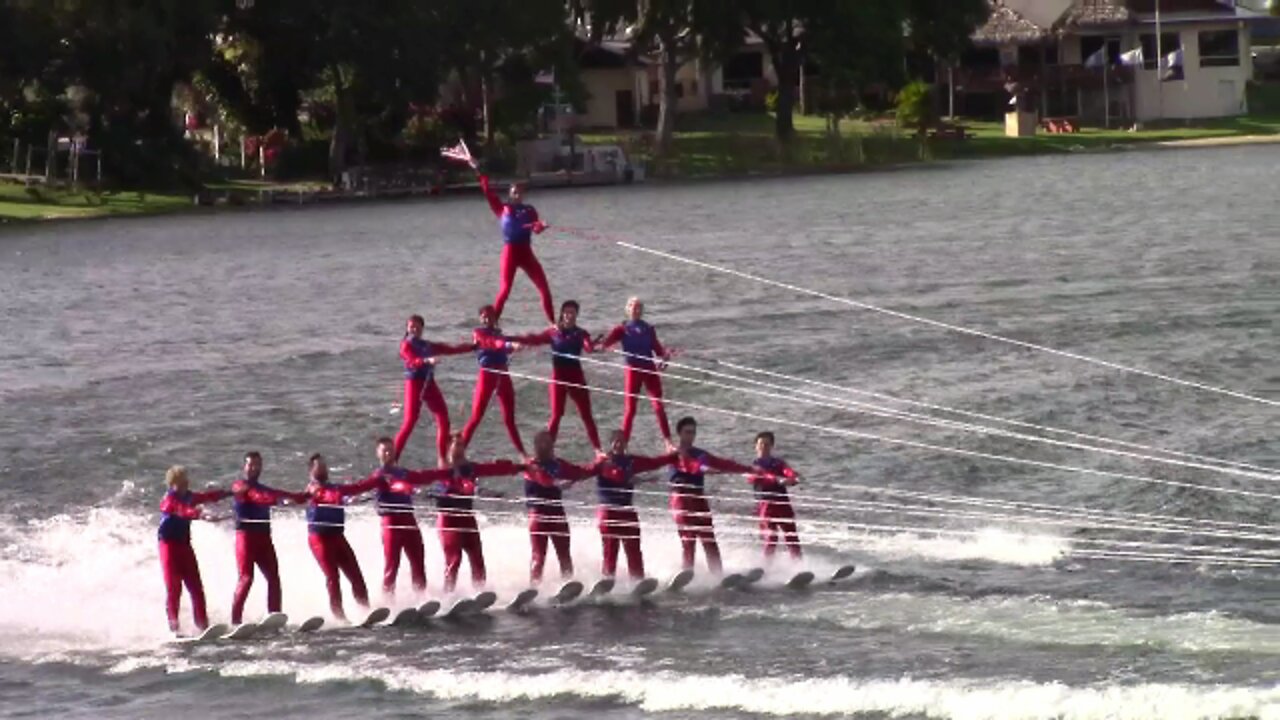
1006,26
1087,13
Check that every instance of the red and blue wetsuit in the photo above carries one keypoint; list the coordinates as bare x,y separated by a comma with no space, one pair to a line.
252,507
519,222
567,378
641,345
773,505
492,350
420,387
326,521
177,559
543,495
689,505
619,524
393,487
454,492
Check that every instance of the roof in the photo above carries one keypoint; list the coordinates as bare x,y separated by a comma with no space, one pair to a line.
1086,13
1006,25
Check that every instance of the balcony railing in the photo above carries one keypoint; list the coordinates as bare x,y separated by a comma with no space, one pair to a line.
1034,78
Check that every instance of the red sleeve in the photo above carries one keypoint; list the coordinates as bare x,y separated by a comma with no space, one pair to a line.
657,344
451,348
497,468
613,337
263,495
574,471
365,485
208,496
409,357
640,464
540,338
587,345
488,342
494,203
426,477
727,465
174,506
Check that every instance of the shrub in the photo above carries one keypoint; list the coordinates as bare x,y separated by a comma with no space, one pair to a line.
915,106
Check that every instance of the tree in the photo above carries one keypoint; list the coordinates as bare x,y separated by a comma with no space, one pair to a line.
677,31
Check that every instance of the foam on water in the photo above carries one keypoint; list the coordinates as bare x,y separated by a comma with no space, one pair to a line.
666,691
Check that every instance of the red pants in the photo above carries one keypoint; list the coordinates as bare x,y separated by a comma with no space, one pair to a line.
692,514
651,382
255,548
580,396
416,392
406,539
521,257
620,526
459,534
553,527
178,561
333,553
487,383
778,519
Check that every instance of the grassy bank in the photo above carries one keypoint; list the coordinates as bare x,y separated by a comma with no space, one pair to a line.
19,202
743,144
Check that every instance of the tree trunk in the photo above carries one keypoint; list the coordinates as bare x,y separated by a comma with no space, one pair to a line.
486,108
342,128
786,62
669,64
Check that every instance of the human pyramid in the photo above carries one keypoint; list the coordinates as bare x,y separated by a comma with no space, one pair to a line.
453,485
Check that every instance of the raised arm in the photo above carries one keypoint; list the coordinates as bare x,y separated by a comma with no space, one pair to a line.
495,204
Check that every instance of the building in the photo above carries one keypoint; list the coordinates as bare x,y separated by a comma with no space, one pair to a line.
1110,61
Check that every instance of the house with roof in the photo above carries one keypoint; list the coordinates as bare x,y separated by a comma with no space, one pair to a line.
1111,60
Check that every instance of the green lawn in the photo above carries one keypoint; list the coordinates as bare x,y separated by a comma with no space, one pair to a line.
18,202
743,143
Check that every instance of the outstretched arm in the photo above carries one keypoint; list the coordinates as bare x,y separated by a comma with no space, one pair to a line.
497,468
173,506
538,338
641,464
209,496
426,477
495,204
612,338
720,464
438,348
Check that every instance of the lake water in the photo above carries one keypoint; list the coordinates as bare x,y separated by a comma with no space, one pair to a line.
132,345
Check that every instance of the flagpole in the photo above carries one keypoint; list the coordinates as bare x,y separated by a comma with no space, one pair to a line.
1159,60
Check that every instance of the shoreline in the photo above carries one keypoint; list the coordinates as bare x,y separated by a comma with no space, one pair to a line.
282,197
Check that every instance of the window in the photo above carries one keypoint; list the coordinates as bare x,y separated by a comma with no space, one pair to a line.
1219,48
1033,55
693,87
1169,44
653,88
679,89
1090,45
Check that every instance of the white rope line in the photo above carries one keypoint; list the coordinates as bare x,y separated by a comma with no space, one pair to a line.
982,416
927,420
954,328
910,443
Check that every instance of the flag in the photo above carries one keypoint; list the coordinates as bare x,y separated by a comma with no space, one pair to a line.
1131,58
457,152
546,77
1098,59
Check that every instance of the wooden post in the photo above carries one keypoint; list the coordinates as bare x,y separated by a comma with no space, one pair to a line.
99,168
17,149
51,159
75,162
28,171
262,160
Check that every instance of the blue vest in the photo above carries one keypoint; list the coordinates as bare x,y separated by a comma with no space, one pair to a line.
257,515
330,516
638,340
567,342
544,499
172,527
422,349
496,359
770,491
618,490
398,497
689,483
450,497
514,223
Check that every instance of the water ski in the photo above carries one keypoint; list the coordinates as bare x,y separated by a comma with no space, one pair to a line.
752,576
243,631
483,601
211,633
374,617
732,581
680,581
311,624
460,607
428,609
800,580
603,587
568,592
842,572
272,623
644,588
408,616
523,598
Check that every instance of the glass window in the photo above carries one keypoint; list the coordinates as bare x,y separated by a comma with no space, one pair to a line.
1169,43
1219,48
